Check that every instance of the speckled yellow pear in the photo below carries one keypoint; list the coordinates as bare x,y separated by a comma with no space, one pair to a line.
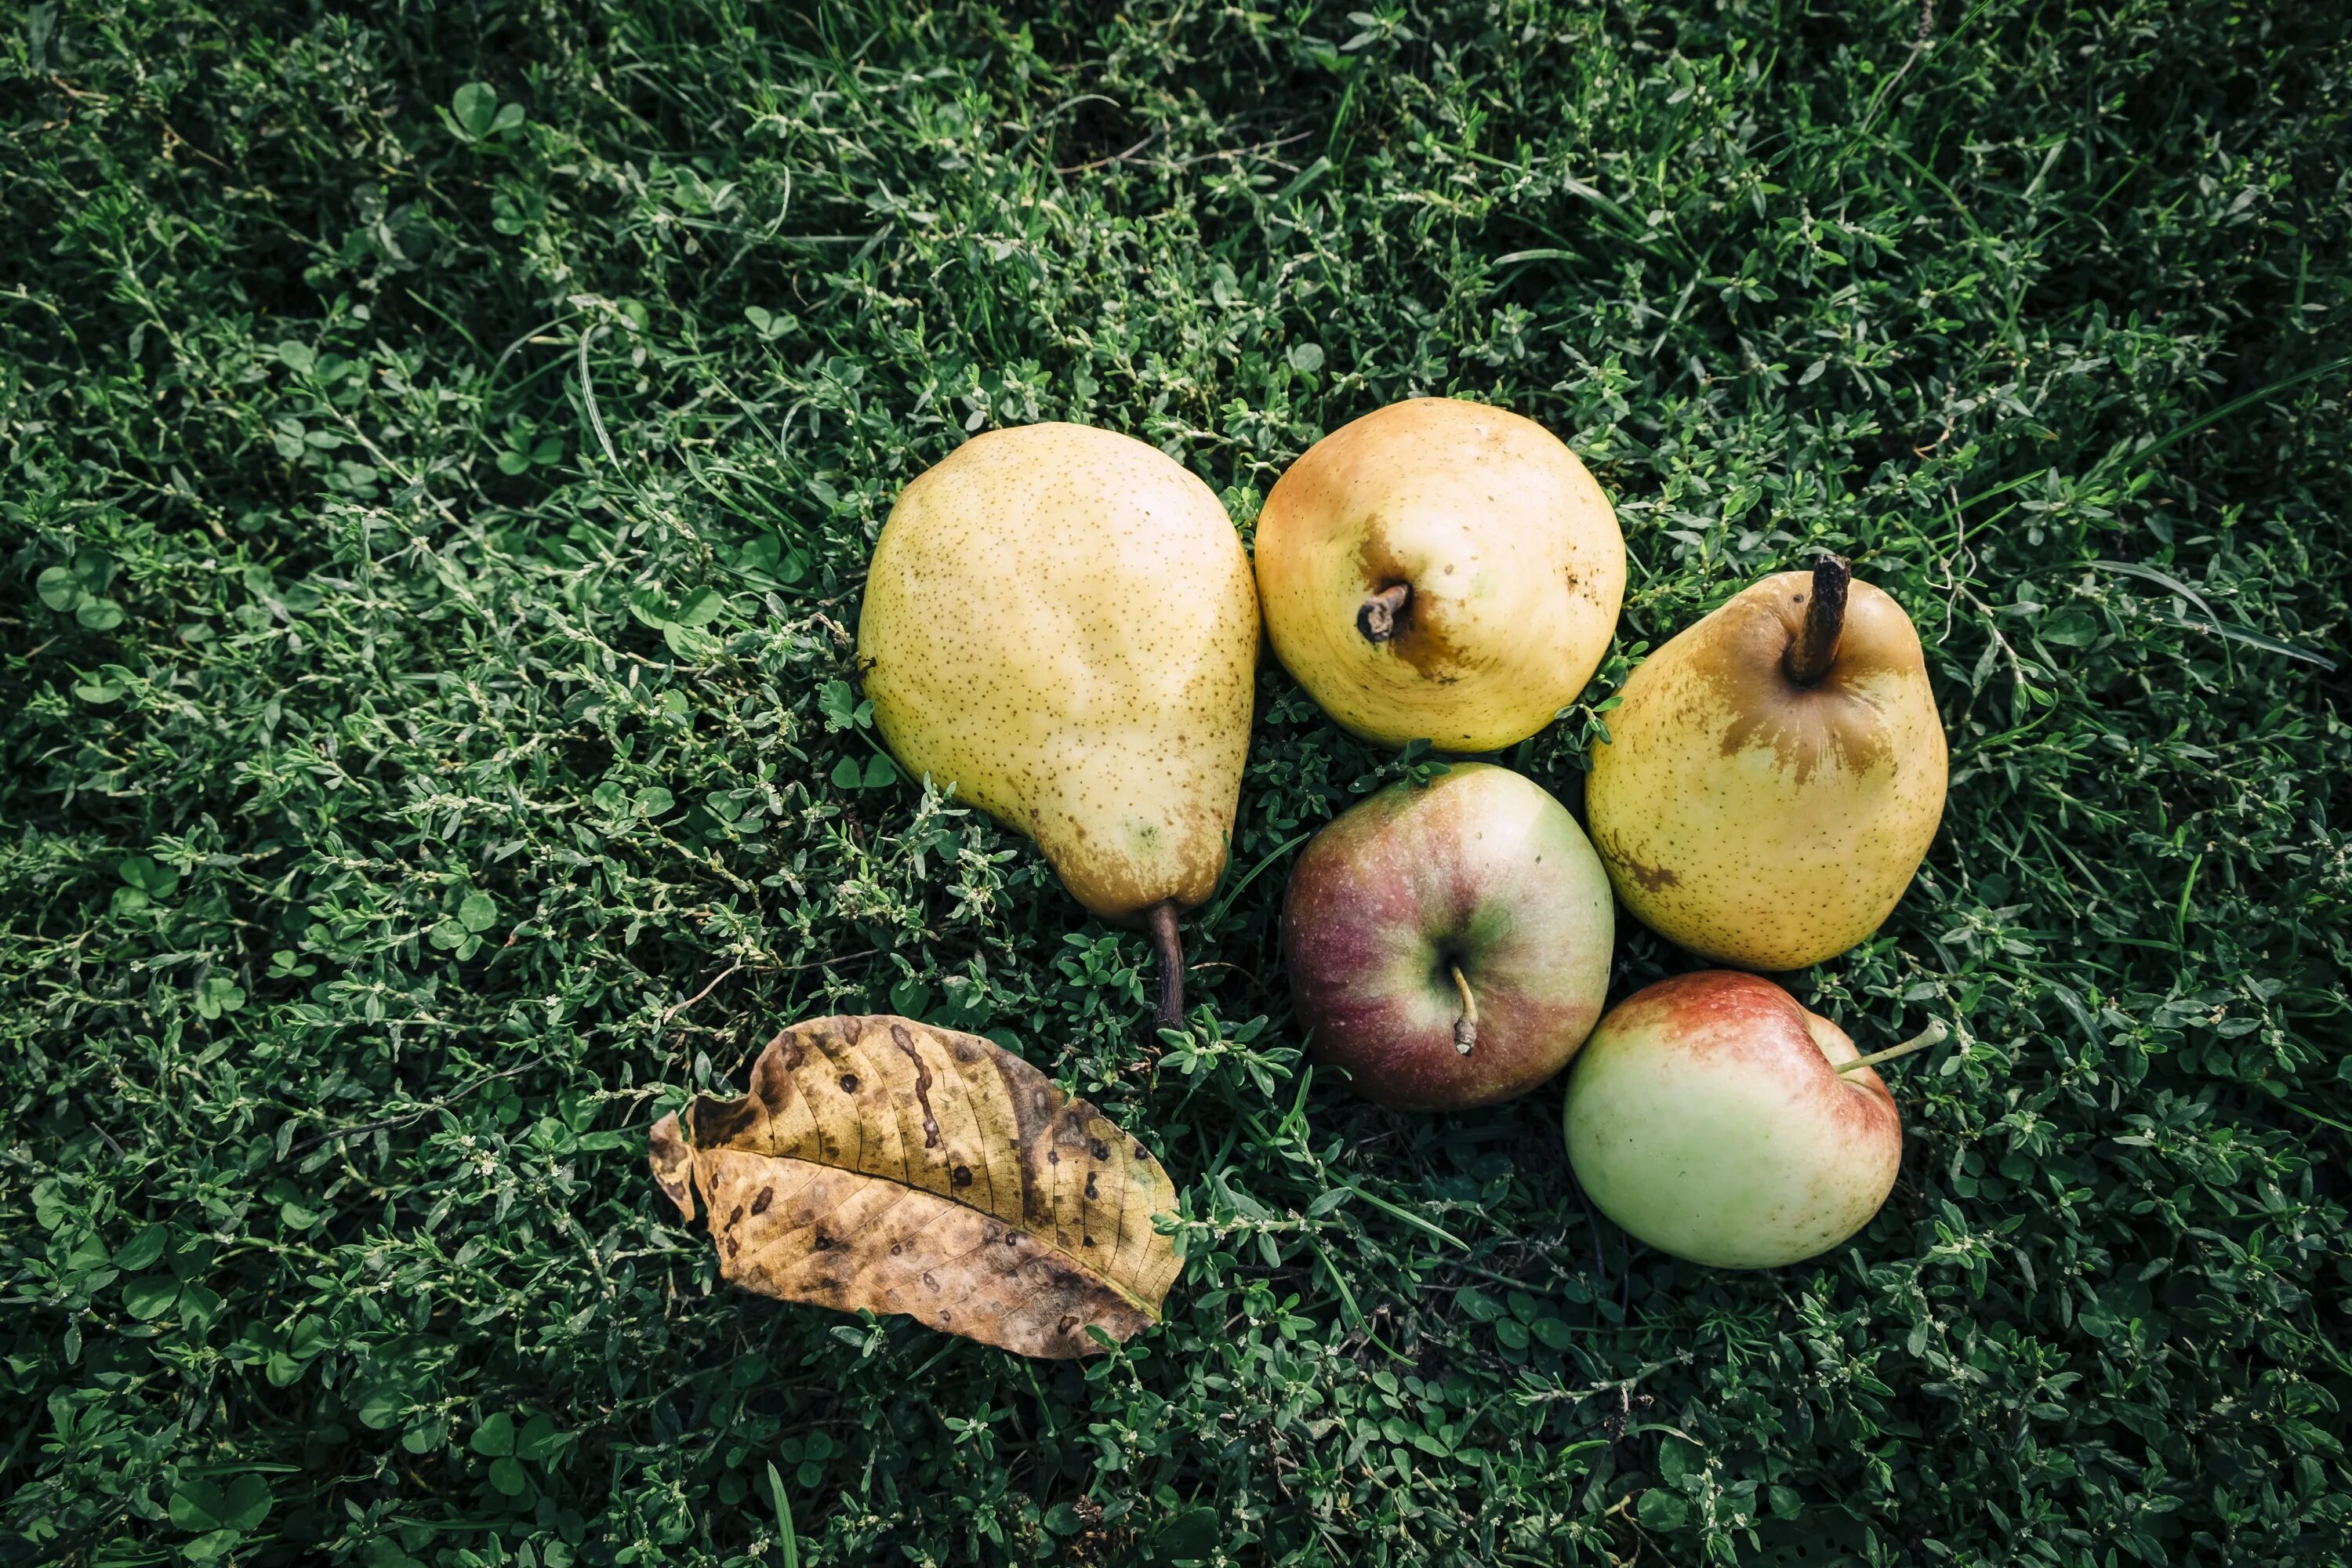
1061,622
1440,571
1775,773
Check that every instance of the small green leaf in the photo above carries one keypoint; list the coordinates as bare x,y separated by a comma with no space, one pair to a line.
549,449
296,357
59,589
538,1439
1306,358
248,1501
141,1250
494,1436
2073,627
93,569
479,912
380,1407
1189,1535
688,645
141,872
1475,1303
609,798
509,1476
654,801
210,1547
99,614
199,1505
513,462
836,700
1063,1520
700,607
651,607
879,774
216,995
476,107
509,116
1662,1510
847,774
150,1296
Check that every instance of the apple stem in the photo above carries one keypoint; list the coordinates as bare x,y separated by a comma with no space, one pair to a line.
1159,919
1933,1032
1379,614
1466,1028
1815,650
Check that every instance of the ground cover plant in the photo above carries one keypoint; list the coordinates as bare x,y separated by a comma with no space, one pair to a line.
439,450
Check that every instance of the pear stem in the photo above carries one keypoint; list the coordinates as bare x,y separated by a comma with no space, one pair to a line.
1159,919
1933,1032
1815,650
1379,614
1466,1028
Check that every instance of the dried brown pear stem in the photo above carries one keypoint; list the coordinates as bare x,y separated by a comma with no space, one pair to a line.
1466,1028
1379,617
1159,919
1815,650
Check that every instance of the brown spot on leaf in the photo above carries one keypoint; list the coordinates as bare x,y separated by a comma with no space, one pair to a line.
849,1083
760,1203
960,1176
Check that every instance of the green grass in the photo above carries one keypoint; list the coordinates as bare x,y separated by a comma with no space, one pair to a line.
430,530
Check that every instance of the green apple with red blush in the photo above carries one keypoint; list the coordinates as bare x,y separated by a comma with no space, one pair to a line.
1714,1117
1448,943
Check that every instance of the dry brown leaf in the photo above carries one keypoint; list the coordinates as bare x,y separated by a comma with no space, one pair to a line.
881,1164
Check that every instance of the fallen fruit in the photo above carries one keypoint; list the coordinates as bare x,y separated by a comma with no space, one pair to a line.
1448,944
883,1164
1061,622
1715,1118
1440,571
1775,773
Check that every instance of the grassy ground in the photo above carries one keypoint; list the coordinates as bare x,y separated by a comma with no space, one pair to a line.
437,455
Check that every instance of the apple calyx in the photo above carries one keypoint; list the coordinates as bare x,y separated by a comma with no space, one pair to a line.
1466,1028
1378,619
1933,1032
1815,648
1159,919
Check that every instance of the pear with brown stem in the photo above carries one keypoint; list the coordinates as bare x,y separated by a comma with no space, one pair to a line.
1775,773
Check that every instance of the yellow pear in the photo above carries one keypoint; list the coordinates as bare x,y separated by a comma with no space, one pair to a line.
1774,774
1440,571
1060,622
